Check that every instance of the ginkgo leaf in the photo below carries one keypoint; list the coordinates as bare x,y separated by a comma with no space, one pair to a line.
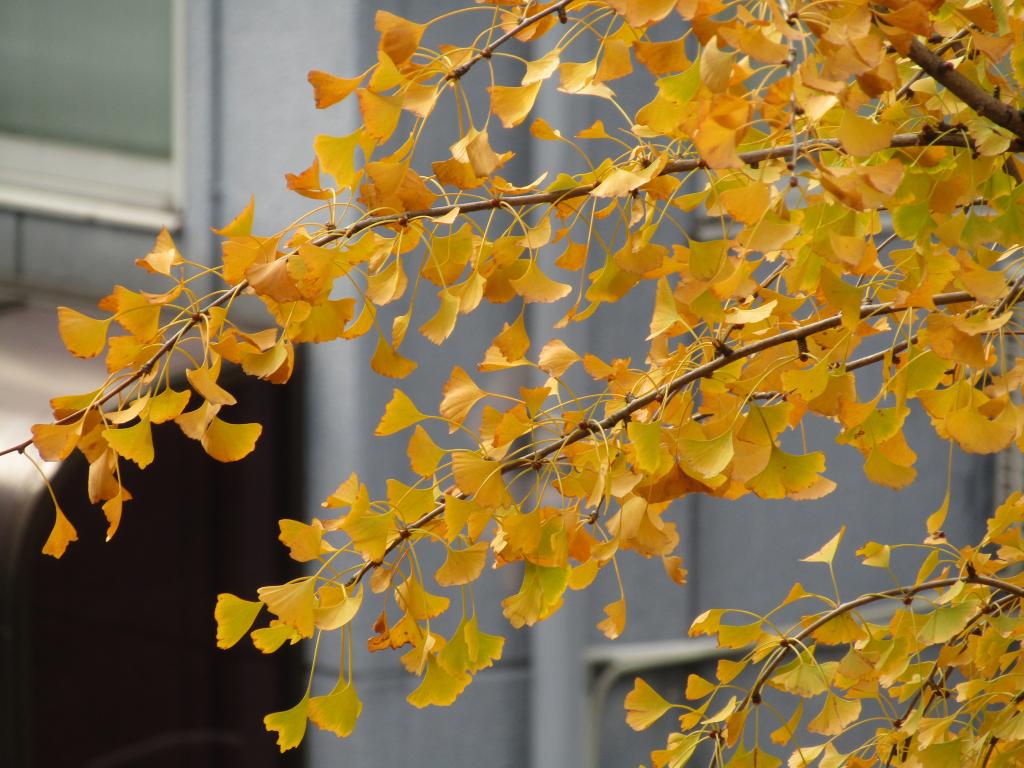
836,715
462,565
460,395
62,534
55,442
163,256
481,477
234,618
338,711
380,114
399,37
439,687
707,457
644,706
305,541
534,286
290,724
167,405
337,607
540,70
329,89
424,454
270,638
417,602
399,413
204,381
556,358
862,137
513,103
387,362
241,225
134,443
827,552
697,687
292,603
226,442
337,157
83,336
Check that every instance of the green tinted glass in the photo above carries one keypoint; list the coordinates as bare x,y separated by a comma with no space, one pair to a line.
94,72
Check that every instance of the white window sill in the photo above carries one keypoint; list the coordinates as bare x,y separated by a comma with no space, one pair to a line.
87,184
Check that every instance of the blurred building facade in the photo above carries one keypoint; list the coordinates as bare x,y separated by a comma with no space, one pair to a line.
204,103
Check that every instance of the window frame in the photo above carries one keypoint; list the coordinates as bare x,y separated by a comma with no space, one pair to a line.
92,184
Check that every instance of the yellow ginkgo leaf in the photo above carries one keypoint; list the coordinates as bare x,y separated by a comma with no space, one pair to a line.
440,326
167,405
83,336
55,442
289,724
646,440
337,607
862,137
305,541
462,565
644,706
163,256
460,395
614,623
417,602
827,552
480,477
535,286
230,442
337,157
439,687
292,603
329,89
424,453
399,38
387,362
234,618
836,715
241,225
513,103
269,639
134,312
338,711
707,458
380,114
62,534
204,381
134,443
399,413
697,687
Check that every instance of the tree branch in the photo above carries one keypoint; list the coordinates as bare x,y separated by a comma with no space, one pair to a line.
970,93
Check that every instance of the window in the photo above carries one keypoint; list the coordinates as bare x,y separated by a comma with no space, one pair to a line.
87,109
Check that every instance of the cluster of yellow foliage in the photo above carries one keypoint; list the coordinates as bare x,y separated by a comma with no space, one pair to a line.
810,130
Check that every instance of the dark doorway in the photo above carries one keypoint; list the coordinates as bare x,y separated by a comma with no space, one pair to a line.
111,653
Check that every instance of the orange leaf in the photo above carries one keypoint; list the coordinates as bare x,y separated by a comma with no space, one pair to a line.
329,89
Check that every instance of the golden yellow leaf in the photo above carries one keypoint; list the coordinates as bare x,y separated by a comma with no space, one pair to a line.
439,686
163,256
268,639
83,336
424,453
540,70
644,706
440,326
462,565
387,362
513,103
336,155
646,440
534,286
660,58
460,395
614,623
399,413
329,89
417,602
862,137
697,687
167,405
640,13
556,358
337,607
399,38
480,477
836,715
292,603
380,114
55,442
241,225
305,541
226,442
234,618
290,724
827,551
62,534
338,711
134,443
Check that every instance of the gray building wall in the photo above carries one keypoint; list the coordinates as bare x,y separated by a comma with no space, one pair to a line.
248,119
